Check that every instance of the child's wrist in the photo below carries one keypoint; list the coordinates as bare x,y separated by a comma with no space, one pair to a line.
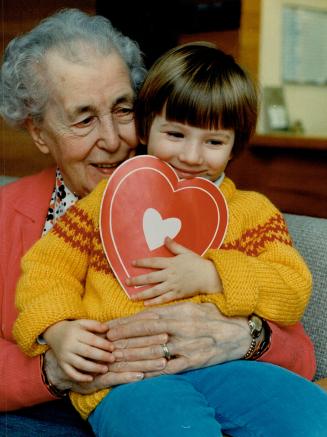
50,332
214,284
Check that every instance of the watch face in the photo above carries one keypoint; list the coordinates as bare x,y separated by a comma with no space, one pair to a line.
255,324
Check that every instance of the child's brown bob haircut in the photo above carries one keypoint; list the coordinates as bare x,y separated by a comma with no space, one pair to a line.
198,84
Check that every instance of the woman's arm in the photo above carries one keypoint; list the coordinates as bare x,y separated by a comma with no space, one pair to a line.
21,382
199,336
291,348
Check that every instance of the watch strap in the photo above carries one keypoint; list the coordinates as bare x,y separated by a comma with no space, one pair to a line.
259,343
251,350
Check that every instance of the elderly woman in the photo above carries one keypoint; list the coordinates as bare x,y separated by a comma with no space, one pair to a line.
71,82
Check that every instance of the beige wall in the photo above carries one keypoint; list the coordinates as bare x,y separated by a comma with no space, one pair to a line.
306,103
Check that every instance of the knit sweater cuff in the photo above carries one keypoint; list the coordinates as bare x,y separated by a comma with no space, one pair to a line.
240,291
32,323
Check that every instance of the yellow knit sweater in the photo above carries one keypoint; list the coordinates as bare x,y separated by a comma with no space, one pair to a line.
66,274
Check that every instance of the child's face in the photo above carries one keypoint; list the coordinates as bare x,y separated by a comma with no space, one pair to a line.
191,151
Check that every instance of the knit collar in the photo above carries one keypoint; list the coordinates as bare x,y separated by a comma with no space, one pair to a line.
219,181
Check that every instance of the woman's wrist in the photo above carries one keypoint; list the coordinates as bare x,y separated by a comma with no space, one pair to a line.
265,340
58,387
260,342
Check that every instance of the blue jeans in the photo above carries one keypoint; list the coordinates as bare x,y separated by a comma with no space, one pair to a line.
51,419
240,398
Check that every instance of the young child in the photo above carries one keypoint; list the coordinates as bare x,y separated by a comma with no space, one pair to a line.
196,110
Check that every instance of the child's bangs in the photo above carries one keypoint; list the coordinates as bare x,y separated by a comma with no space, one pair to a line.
201,107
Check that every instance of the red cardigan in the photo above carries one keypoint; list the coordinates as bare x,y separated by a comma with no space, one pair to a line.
23,208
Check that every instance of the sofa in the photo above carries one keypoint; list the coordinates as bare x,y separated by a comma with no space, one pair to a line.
309,235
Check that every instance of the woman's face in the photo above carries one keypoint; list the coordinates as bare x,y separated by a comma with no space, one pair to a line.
88,124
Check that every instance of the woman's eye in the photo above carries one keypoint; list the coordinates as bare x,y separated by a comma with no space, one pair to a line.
84,123
124,113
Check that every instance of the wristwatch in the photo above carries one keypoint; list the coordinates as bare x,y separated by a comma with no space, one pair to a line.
256,326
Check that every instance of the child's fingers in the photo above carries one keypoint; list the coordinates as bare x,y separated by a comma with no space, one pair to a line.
83,365
90,352
152,263
76,375
158,290
93,325
147,278
163,298
97,341
175,248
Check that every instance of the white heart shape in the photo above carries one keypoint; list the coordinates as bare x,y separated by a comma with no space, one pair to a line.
156,229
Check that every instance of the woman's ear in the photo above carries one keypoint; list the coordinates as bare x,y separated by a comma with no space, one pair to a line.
36,133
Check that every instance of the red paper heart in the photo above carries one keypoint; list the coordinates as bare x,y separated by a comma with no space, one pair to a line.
145,201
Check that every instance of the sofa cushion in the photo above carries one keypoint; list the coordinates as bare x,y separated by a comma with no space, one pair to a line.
310,237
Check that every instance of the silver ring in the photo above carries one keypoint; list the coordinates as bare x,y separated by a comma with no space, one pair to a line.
165,351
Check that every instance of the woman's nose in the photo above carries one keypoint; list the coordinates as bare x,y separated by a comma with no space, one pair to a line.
109,134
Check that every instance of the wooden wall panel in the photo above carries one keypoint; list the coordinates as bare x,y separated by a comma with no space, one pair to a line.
290,171
250,36
227,40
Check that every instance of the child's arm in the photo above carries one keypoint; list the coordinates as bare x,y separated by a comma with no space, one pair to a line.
259,269
51,286
276,284
79,347
183,275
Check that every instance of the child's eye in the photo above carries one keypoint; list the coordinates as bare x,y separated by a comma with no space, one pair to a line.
175,134
215,142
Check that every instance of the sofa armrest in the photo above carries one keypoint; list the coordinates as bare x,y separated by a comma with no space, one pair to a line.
310,237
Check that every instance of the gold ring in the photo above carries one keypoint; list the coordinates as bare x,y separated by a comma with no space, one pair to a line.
165,351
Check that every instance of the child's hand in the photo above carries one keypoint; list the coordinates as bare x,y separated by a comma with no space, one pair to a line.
80,346
183,275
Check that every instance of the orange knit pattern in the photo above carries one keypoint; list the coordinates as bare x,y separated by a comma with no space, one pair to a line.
66,274
253,241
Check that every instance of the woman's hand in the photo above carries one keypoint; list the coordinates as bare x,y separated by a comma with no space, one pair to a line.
198,335
61,381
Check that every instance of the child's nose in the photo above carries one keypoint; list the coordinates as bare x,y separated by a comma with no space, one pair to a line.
191,154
